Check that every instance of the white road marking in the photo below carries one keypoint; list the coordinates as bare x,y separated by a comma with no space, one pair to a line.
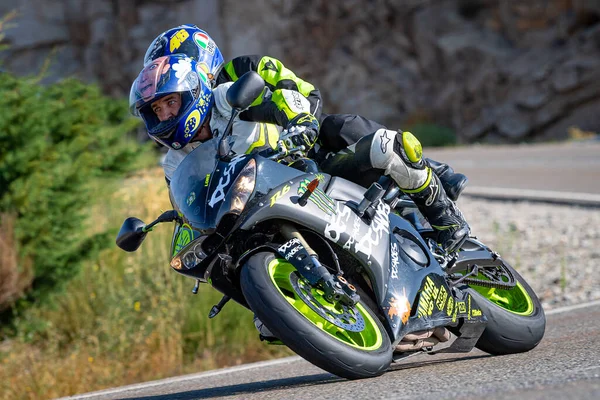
185,378
573,307
259,364
539,195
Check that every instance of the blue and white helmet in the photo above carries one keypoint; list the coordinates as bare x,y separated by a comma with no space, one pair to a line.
193,42
164,76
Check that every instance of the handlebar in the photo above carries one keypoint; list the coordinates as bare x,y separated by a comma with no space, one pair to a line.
282,152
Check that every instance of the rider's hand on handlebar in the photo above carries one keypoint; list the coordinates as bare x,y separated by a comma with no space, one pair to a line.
301,131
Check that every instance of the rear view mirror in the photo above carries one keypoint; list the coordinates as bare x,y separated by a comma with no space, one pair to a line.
131,235
245,90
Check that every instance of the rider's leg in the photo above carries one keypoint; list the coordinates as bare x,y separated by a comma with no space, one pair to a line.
339,131
399,155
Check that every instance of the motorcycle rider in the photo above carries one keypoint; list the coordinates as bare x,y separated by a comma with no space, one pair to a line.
295,104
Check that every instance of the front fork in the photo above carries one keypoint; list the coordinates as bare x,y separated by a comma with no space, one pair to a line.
298,253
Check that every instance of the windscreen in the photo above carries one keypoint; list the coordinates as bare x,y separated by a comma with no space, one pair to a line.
190,184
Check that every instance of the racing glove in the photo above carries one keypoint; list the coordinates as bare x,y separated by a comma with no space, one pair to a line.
302,130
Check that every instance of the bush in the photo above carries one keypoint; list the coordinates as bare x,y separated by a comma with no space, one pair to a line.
432,135
53,140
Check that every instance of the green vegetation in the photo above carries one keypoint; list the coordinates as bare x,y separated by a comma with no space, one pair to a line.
432,135
126,317
54,140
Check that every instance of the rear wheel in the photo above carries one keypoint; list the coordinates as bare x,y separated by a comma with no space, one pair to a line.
349,342
516,319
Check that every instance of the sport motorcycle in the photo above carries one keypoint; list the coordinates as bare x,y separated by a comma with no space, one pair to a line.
349,278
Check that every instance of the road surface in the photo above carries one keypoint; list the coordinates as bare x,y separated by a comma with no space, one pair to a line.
566,365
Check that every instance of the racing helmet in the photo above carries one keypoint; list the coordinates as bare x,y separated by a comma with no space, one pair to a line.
192,41
164,76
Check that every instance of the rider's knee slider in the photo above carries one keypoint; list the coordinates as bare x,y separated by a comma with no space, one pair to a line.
408,147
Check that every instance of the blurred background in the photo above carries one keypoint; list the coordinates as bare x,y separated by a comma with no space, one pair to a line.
77,314
491,71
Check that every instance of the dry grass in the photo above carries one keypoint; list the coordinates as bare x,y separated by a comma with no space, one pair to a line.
125,318
16,274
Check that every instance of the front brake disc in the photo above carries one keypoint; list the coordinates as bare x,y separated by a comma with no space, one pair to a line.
348,318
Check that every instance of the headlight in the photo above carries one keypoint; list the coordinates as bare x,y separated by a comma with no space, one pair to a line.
190,256
242,187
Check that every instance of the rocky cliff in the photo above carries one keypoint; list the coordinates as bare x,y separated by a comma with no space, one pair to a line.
494,70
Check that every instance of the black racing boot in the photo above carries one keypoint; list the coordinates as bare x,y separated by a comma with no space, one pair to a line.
453,183
443,215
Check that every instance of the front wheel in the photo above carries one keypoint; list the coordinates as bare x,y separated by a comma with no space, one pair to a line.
348,342
516,319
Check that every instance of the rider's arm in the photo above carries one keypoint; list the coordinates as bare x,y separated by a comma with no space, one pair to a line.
286,97
247,136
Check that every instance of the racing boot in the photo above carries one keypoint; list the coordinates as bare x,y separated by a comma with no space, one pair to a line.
453,183
412,174
441,212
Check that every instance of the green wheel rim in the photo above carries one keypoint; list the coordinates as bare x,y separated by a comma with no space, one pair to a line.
368,339
515,300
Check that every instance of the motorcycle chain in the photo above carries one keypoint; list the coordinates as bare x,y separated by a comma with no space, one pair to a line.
489,284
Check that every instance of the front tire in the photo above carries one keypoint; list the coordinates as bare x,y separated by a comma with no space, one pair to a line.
516,319
270,286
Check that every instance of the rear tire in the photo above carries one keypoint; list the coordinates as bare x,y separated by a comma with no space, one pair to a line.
516,319
267,285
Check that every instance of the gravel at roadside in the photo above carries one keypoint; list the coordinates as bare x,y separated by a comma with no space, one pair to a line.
555,247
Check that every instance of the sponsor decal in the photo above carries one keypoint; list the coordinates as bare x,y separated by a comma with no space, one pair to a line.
318,197
219,193
428,296
434,187
203,72
394,260
296,100
296,103
290,248
191,198
338,223
192,123
206,180
182,68
176,145
179,37
203,103
379,227
204,42
385,140
269,65
355,231
440,301
309,118
279,194
184,237
399,308
450,306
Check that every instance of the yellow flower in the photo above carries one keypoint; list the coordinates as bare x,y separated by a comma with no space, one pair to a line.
136,306
90,359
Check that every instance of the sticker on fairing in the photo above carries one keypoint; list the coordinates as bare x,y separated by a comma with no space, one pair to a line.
219,193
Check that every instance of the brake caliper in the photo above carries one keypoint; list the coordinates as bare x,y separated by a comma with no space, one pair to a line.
336,289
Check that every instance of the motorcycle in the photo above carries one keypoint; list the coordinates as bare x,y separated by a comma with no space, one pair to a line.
346,277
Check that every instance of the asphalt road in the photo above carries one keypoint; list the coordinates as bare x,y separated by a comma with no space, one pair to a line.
566,365
562,167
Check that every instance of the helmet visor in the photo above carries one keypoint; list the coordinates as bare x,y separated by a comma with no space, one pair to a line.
163,77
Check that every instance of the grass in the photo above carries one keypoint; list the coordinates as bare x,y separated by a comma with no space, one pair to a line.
127,317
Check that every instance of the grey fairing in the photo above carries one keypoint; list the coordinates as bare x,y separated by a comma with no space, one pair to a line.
370,244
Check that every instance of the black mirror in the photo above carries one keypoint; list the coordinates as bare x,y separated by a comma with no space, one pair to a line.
245,90
131,235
